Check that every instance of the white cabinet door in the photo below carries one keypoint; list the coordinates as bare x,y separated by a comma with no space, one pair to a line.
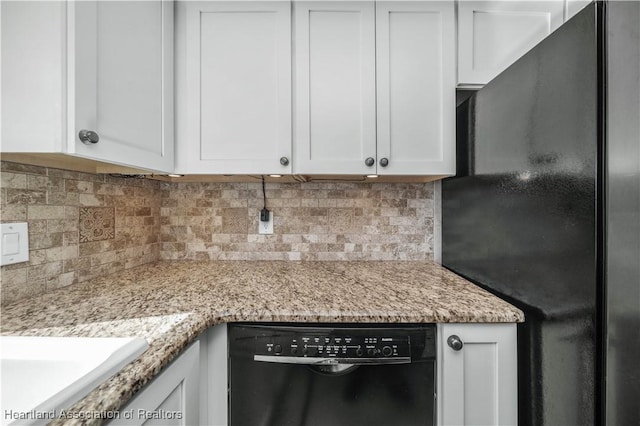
477,385
32,76
335,88
494,34
234,87
415,56
172,398
214,387
120,81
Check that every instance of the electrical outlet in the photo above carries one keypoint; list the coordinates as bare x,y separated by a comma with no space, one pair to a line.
265,226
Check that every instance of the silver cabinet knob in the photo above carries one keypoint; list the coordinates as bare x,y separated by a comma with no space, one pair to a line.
384,162
88,137
369,161
455,342
284,161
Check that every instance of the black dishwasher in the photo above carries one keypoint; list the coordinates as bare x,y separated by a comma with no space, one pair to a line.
331,374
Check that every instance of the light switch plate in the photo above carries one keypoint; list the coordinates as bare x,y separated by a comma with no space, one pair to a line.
14,242
265,227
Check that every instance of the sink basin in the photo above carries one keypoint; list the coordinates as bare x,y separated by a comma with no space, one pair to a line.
42,374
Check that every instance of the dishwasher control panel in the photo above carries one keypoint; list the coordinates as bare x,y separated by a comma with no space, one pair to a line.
340,345
333,343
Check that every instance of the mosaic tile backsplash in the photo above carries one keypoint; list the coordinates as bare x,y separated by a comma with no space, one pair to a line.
83,226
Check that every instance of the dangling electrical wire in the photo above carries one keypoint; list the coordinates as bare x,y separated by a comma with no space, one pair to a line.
264,213
264,195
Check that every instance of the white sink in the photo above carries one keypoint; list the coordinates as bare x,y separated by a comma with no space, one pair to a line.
43,374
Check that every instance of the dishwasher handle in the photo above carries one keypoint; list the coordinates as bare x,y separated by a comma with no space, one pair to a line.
330,360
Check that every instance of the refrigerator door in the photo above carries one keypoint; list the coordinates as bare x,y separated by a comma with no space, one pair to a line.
623,214
520,217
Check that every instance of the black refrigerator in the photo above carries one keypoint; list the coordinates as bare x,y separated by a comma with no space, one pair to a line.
544,212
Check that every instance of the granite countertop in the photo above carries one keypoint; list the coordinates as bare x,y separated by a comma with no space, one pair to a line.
171,303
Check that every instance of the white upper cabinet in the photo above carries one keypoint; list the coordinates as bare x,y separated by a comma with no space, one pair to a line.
374,88
574,6
105,68
335,87
494,34
415,88
233,70
121,81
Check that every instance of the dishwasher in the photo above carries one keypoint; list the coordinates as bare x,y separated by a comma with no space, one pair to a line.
331,374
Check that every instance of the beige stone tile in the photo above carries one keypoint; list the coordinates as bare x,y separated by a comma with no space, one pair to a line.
7,166
66,279
62,225
38,226
80,186
13,180
76,264
45,212
37,257
45,183
91,200
45,241
45,270
63,198
62,253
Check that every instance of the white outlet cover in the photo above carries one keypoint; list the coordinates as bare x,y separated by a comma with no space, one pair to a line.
265,227
14,242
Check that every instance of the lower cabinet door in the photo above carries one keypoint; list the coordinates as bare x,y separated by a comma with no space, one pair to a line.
477,374
172,398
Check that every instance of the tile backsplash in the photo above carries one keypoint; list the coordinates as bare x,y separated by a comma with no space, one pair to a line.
80,226
312,221
83,226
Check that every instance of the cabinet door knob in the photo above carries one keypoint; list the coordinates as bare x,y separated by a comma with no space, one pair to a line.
384,162
455,342
284,161
369,161
88,137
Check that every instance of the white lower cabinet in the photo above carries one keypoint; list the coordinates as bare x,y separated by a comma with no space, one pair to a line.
213,370
172,398
477,374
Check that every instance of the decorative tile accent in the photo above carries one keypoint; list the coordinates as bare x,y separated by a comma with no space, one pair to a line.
234,221
340,220
96,224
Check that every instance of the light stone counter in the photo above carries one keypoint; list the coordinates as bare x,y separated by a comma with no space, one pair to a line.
171,303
